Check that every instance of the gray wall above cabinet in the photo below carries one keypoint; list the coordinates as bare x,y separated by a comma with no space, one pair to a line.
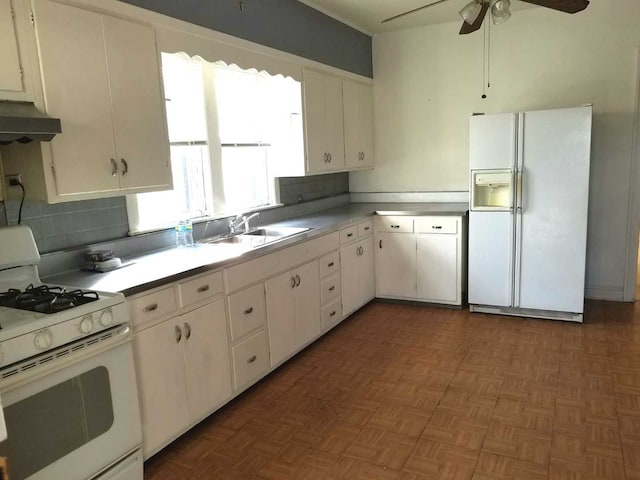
286,25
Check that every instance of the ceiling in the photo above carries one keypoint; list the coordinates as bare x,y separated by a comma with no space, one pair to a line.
366,15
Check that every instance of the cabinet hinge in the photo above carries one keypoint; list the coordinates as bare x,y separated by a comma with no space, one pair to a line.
21,72
32,18
53,169
13,13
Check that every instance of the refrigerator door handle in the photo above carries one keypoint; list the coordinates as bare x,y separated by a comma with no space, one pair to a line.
519,196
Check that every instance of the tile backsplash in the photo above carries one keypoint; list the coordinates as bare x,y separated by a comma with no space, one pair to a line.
66,225
72,224
304,189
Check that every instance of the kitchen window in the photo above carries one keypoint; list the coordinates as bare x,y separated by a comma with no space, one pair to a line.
227,127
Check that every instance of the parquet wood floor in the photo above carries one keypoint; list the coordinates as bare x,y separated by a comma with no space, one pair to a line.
404,392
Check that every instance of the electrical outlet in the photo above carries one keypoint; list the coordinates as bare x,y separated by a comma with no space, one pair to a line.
11,180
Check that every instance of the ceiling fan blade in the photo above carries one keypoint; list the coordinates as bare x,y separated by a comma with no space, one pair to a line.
567,6
412,11
466,28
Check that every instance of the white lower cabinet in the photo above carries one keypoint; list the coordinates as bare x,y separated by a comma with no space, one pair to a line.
250,359
183,372
420,258
396,265
293,310
358,277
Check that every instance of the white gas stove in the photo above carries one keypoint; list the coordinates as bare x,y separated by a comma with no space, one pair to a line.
35,317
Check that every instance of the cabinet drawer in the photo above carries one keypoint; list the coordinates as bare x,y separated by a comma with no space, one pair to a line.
348,234
247,311
250,359
154,305
330,264
331,314
394,224
330,288
365,229
201,288
436,225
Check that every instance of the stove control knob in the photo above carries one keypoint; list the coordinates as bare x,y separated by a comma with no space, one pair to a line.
106,318
86,324
43,339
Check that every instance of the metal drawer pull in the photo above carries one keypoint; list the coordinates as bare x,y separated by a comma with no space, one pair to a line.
330,264
437,227
329,158
252,359
366,229
297,280
332,314
150,308
380,243
178,334
293,282
187,331
248,311
203,288
395,226
114,167
332,288
349,234
326,158
125,166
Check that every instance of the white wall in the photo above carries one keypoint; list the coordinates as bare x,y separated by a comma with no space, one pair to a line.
428,80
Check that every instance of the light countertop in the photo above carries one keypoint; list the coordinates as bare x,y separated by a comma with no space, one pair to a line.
168,265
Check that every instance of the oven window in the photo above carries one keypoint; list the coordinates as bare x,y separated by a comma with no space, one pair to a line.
53,423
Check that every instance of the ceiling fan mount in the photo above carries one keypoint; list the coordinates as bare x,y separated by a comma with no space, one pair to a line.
474,13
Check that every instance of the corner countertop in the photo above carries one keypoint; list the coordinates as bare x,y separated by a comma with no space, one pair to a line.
171,264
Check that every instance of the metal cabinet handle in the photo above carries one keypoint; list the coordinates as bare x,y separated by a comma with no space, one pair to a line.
380,244
248,311
436,227
349,234
150,308
293,282
326,157
203,288
332,314
187,331
298,280
330,264
329,157
125,166
363,156
252,359
366,229
114,167
332,288
394,226
178,334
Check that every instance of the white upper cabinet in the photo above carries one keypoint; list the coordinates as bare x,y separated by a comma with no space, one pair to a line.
101,77
358,124
17,47
324,131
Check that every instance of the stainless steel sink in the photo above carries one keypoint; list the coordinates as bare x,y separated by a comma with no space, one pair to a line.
280,232
256,238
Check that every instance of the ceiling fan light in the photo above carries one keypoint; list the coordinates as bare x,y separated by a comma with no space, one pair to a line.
500,11
471,11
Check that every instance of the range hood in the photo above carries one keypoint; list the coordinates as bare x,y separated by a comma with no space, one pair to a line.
22,122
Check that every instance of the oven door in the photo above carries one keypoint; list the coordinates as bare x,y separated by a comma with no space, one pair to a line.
75,419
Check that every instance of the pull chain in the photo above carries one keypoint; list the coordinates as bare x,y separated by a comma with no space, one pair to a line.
486,58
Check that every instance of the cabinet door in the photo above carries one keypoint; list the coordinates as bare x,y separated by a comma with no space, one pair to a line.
350,278
358,124
307,293
207,358
367,276
11,71
334,122
142,142
396,265
281,316
438,266
76,89
315,121
162,385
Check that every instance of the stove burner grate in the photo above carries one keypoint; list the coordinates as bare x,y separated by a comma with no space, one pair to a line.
46,299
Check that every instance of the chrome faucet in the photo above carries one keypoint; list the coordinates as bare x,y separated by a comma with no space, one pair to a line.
235,222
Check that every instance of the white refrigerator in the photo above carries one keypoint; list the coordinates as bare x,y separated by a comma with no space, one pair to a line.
529,191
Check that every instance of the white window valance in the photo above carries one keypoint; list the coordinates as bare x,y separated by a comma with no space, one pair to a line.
212,50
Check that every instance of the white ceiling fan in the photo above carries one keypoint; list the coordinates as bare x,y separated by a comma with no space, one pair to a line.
474,12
